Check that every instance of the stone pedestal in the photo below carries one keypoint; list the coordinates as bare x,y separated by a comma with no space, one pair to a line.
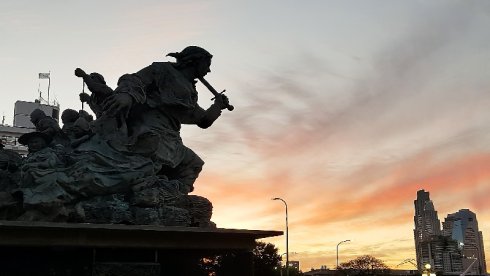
45,248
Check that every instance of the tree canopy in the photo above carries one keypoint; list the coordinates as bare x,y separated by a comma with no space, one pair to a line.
265,257
363,265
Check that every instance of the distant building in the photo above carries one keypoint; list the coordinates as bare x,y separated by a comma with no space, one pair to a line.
452,250
294,264
442,253
427,224
462,227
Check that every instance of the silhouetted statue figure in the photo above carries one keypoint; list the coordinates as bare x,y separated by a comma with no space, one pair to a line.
156,101
4,160
10,162
111,127
79,132
9,182
49,127
130,164
84,114
100,91
68,118
41,158
41,175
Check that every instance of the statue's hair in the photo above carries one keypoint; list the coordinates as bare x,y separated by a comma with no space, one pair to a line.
98,77
70,114
38,113
189,55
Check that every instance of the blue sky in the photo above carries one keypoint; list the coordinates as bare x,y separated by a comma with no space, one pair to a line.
343,108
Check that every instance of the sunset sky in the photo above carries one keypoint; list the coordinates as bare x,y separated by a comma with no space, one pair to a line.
342,108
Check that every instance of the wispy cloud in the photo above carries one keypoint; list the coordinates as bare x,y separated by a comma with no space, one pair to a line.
410,120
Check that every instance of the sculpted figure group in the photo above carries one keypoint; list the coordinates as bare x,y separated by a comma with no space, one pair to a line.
129,164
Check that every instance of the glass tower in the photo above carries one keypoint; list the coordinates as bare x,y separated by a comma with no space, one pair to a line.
462,227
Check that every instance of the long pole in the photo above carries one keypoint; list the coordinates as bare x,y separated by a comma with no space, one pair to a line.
281,262
338,252
83,91
49,84
287,238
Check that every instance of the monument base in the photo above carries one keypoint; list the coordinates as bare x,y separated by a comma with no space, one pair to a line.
46,248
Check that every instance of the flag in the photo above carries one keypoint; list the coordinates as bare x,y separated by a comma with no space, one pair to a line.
44,75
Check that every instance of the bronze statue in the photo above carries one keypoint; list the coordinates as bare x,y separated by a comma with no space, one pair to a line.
129,165
9,182
68,118
100,91
49,127
41,158
10,162
156,101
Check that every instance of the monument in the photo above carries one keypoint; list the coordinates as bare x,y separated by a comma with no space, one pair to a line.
126,171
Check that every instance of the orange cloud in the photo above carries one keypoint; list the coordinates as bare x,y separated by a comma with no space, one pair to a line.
245,202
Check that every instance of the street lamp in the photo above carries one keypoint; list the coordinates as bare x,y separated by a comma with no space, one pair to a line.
338,252
427,271
287,248
281,262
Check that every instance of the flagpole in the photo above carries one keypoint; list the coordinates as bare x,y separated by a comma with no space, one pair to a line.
49,84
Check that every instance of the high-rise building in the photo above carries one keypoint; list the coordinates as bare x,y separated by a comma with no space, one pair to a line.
462,227
427,224
457,248
442,253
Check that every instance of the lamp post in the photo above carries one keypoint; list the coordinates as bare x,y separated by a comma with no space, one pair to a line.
281,262
287,239
338,252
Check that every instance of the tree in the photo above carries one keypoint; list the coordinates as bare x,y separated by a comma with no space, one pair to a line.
365,265
266,259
